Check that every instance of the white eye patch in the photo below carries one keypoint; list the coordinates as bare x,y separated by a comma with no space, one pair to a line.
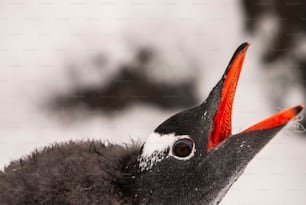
155,149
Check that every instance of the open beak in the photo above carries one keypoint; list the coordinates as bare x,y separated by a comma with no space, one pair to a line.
222,121
219,157
228,154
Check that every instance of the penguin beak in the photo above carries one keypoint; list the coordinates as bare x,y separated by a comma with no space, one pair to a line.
222,121
219,157
228,154
205,131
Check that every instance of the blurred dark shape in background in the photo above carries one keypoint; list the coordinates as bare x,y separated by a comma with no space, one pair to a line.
132,84
290,14
291,18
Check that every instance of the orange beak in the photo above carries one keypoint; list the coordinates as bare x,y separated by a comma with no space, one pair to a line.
222,123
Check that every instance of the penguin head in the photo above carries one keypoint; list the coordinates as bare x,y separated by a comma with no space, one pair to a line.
193,157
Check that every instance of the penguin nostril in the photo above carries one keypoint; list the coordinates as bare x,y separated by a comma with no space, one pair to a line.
182,148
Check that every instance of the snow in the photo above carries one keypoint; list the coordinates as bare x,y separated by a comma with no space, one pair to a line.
39,38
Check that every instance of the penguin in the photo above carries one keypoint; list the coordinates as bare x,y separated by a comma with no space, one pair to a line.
190,158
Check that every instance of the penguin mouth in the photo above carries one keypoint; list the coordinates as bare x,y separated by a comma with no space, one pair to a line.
222,121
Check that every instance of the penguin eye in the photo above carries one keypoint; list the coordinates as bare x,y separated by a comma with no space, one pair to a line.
182,148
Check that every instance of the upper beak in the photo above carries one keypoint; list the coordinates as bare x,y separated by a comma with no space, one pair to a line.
222,121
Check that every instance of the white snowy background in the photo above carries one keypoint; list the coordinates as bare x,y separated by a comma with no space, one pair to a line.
39,37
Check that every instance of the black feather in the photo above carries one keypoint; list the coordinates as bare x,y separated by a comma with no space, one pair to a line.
75,173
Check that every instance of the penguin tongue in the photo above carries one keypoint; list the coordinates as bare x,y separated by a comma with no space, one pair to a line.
222,123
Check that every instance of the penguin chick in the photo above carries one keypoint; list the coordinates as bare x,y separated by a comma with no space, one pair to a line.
72,173
191,158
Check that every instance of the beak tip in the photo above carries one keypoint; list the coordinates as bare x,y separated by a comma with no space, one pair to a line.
298,109
243,47
246,44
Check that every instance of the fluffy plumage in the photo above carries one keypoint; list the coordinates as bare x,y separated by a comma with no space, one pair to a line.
71,173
